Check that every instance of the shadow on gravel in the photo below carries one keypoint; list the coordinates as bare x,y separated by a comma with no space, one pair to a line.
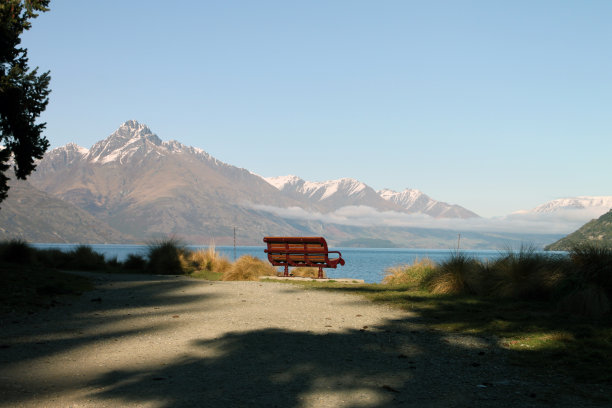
398,363
278,368
59,330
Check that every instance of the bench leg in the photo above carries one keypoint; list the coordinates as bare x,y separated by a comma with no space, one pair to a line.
320,272
286,270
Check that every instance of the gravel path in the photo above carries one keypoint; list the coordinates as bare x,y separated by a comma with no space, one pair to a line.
155,341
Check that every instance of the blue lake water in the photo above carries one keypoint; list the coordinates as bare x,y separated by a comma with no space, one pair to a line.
361,263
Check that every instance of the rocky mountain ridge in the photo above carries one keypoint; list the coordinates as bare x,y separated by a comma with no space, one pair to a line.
333,194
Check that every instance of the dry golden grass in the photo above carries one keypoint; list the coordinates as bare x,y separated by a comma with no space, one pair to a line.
248,268
306,272
208,260
413,275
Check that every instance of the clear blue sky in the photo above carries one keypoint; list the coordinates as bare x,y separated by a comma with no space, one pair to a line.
497,106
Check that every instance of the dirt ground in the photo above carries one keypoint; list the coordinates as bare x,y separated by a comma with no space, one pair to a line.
160,341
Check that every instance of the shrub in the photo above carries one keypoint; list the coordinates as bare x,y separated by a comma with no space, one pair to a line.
165,257
460,274
85,258
248,268
413,275
52,258
135,263
17,251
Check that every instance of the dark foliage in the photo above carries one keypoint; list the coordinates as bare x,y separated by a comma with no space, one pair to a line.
135,263
23,93
17,252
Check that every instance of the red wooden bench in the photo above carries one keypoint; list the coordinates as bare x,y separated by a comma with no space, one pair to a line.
301,251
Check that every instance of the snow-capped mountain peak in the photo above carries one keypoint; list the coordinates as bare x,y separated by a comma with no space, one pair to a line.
130,138
414,201
575,203
406,196
281,182
318,190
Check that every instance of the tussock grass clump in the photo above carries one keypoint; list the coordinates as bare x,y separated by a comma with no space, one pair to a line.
592,265
17,251
208,260
306,272
414,275
248,268
588,282
460,274
165,257
526,274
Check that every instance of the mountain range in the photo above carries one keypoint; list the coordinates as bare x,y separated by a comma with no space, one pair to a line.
135,187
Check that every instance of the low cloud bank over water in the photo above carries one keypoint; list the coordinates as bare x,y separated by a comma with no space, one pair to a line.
563,221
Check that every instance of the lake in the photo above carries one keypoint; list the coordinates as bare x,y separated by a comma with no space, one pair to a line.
361,263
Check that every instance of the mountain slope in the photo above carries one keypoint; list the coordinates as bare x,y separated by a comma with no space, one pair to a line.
145,187
596,232
35,216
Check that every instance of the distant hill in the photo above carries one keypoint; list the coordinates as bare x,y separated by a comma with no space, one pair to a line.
598,232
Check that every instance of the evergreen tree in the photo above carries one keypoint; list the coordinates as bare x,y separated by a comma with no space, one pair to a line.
23,93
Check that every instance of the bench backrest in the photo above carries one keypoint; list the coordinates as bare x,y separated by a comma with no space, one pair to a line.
296,250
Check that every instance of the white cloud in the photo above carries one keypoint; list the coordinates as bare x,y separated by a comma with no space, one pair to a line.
559,222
